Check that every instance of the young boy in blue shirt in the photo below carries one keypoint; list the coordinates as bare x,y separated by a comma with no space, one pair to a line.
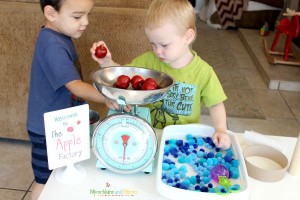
55,76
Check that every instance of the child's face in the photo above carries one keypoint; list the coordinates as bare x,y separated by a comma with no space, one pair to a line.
72,18
169,44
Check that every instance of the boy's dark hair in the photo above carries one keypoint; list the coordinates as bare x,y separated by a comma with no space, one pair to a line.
56,4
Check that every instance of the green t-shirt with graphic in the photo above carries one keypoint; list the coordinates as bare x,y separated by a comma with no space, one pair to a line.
196,84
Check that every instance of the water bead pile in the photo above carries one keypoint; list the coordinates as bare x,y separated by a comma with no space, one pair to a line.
187,163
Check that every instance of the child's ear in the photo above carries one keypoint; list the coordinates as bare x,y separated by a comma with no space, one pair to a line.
190,35
50,13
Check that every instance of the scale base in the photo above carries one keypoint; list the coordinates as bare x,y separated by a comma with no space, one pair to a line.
147,170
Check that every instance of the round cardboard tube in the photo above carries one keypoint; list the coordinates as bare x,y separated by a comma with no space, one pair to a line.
259,173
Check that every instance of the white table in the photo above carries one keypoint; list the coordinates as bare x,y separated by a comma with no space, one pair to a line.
142,186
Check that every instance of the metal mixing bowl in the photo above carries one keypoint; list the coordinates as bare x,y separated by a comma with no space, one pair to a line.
105,78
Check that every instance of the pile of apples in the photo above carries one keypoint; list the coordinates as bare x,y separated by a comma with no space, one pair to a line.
137,82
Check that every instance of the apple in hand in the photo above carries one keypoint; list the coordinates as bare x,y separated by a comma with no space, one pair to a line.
123,81
137,82
100,51
149,84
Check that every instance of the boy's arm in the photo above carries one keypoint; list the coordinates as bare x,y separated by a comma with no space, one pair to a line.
88,92
107,60
218,116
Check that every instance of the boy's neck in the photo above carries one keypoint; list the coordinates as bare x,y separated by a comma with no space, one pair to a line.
182,62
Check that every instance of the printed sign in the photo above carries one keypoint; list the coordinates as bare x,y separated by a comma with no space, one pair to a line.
67,136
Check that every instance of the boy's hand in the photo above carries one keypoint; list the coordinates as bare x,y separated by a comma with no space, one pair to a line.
115,106
221,140
105,61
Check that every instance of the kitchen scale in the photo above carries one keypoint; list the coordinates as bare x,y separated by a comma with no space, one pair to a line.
126,142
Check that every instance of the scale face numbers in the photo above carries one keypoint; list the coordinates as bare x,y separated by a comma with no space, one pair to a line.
124,143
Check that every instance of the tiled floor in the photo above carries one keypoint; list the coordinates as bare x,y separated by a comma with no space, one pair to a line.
281,110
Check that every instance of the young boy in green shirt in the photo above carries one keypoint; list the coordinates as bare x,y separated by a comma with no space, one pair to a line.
170,26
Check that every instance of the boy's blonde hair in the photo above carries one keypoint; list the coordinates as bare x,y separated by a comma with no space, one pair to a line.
179,12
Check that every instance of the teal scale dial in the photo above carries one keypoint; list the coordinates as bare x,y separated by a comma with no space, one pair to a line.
125,143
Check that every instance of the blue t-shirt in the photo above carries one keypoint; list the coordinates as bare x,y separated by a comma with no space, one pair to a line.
54,65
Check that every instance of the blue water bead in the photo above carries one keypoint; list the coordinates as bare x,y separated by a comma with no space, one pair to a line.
178,185
184,186
172,141
177,176
235,163
229,152
189,136
206,180
172,166
163,177
186,181
212,190
166,153
173,146
228,165
217,149
167,149
210,185
189,159
169,174
215,161
202,160
165,166
209,162
227,158
170,180
195,145
200,167
200,154
166,142
183,149
191,141
200,141
206,173
193,180
200,173
179,142
218,155
175,170
173,150
234,173
182,159
164,181
183,168
210,154
169,161
191,187
197,187
204,189
182,174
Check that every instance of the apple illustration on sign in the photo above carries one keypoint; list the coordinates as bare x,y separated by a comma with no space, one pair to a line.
70,129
